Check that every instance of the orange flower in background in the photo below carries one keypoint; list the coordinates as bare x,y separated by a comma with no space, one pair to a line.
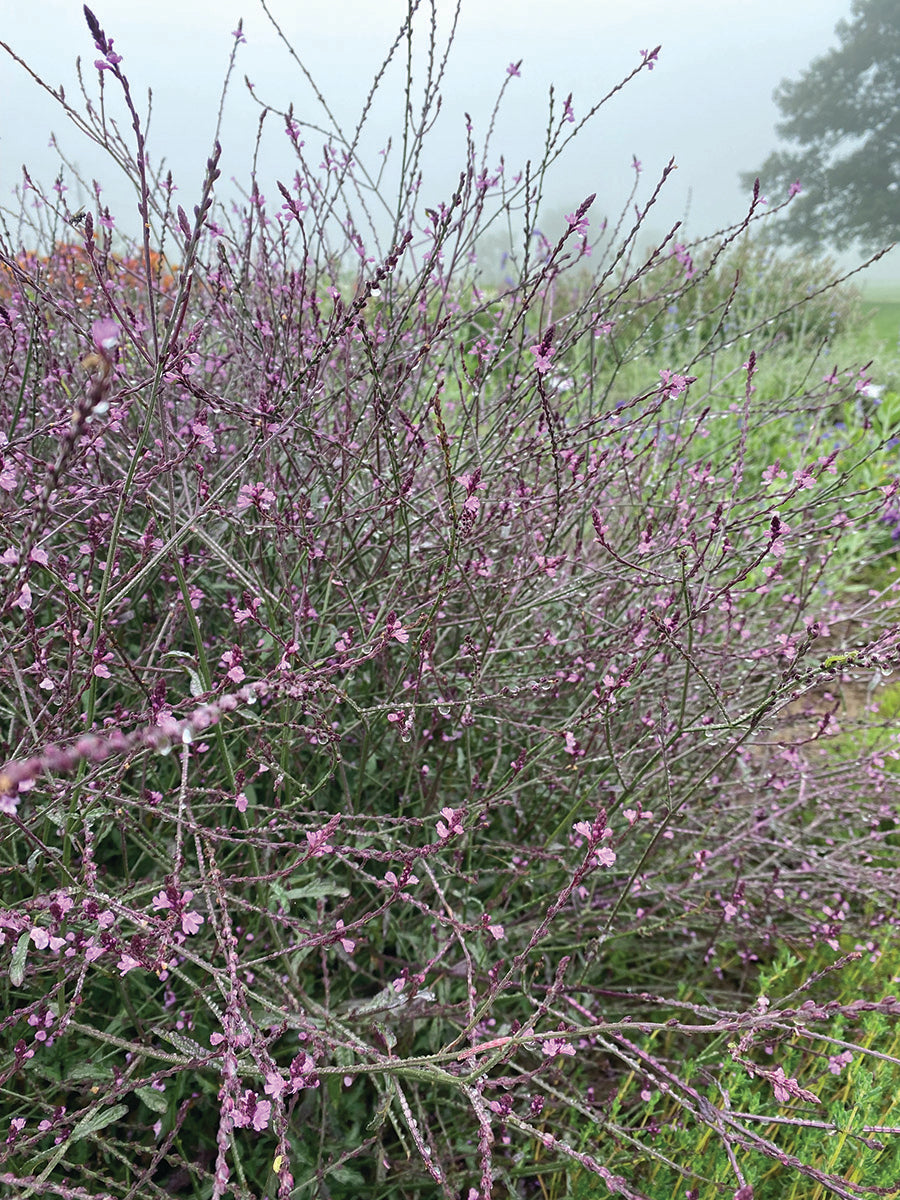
69,270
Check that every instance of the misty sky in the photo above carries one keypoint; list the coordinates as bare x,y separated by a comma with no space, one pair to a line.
708,103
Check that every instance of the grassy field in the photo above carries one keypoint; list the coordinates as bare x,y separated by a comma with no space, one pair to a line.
884,316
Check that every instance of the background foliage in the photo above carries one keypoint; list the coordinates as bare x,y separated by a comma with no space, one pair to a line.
841,117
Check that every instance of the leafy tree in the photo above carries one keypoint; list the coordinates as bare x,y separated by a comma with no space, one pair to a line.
843,116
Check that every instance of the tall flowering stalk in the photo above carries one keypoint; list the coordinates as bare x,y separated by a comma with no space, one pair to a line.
431,687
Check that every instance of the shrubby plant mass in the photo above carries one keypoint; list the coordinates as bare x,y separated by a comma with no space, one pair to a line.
450,740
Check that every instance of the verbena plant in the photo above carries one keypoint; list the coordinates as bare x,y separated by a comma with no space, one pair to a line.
416,688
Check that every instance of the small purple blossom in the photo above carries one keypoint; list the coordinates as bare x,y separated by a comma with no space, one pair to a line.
111,60
673,385
256,494
578,224
275,1085
551,1047
837,1062
396,883
454,823
191,922
251,1112
396,631
318,842
682,255
105,334
347,943
542,358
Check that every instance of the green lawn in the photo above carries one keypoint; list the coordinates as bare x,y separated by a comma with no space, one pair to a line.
885,318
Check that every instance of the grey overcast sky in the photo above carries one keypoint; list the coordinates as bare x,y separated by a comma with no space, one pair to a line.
708,103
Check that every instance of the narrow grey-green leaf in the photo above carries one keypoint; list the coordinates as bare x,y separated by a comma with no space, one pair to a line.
90,1123
185,1044
154,1100
98,1119
317,890
19,955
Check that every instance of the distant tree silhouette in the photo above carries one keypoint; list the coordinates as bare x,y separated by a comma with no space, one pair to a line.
843,117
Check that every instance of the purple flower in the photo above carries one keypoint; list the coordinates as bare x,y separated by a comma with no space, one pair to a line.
23,600
454,827
395,630
682,255
674,385
348,943
605,857
319,844
112,59
257,494
252,1111
837,1062
542,358
191,922
396,883
513,68
275,1085
105,333
553,1046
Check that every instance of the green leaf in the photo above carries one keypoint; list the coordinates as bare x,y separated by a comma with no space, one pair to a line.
19,955
837,660
318,889
185,1044
154,1100
89,1070
346,1175
187,662
98,1119
382,1110
371,769
94,1120
388,1035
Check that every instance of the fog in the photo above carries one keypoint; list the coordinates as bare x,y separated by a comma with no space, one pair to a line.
708,102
